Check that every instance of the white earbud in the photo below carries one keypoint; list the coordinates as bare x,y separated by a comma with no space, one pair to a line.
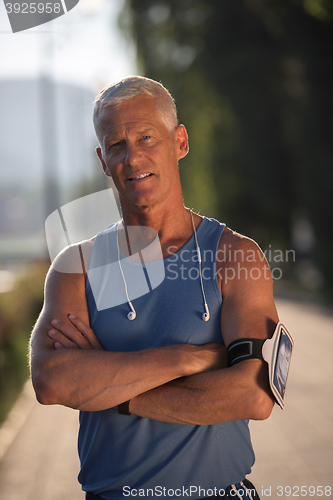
131,315
206,314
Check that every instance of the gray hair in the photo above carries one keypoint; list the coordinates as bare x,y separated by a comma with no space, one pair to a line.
135,86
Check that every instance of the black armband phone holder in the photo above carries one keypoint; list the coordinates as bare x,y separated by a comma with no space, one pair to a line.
275,351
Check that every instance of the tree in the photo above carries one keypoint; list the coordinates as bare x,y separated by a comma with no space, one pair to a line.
252,82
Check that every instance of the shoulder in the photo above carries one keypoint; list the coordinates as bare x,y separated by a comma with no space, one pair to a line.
74,259
231,242
67,272
240,263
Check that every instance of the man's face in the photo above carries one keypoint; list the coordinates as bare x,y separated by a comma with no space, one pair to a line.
139,152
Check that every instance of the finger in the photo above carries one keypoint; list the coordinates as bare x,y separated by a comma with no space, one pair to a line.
61,340
59,347
71,333
86,331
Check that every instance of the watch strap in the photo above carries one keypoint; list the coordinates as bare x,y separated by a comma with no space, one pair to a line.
123,408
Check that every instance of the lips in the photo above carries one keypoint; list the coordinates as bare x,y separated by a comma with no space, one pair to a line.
139,177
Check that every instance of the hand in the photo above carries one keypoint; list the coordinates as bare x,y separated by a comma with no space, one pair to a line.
207,357
219,354
78,335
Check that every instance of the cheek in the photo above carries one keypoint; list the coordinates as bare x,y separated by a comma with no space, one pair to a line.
113,165
116,177
165,156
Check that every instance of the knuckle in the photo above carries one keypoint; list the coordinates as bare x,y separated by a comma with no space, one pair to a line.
78,339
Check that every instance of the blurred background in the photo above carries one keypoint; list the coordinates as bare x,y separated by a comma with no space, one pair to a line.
253,84
49,77
252,81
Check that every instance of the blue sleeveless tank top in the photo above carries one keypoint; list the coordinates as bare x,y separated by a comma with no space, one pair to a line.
127,455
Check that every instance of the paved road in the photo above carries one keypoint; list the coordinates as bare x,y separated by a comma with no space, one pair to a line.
41,463
293,448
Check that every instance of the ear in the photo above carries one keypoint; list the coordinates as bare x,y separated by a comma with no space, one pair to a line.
181,139
104,165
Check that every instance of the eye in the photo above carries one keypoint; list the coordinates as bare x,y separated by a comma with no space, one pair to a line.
115,144
145,137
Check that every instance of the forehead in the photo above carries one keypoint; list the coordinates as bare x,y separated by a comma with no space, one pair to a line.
137,112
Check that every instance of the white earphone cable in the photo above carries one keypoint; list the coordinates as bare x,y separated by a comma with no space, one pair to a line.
206,314
132,314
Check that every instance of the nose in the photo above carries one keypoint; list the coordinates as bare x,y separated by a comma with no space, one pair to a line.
132,154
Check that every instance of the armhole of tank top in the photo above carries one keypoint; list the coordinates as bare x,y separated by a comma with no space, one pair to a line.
216,285
82,264
86,268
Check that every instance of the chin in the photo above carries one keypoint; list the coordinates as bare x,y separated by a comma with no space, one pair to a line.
139,202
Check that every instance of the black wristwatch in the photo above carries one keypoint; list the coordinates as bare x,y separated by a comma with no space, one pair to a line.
123,408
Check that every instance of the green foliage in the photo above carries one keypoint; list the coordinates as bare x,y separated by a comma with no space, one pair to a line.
19,309
252,81
320,9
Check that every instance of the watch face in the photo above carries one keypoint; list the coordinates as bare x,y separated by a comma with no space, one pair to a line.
282,363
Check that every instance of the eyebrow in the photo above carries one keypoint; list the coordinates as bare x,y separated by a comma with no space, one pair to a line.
145,131
108,139
115,137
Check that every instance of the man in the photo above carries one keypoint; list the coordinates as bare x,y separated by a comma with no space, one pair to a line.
161,413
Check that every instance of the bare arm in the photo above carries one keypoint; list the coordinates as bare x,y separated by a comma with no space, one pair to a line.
89,378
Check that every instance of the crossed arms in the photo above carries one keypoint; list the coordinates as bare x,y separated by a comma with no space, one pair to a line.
180,383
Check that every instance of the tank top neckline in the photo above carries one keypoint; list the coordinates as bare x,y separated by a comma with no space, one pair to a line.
184,247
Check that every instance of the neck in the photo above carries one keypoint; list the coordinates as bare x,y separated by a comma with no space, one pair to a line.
172,223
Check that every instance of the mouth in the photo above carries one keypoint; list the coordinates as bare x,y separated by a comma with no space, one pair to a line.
140,177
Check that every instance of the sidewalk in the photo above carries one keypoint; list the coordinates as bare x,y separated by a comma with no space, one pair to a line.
41,463
294,447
